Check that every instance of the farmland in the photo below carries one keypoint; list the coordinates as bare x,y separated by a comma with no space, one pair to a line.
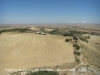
56,46
29,50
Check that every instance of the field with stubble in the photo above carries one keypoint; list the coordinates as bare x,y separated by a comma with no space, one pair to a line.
29,50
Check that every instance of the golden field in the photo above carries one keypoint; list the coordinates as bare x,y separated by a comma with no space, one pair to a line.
29,50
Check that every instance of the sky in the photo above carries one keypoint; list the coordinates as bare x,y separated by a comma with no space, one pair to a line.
49,11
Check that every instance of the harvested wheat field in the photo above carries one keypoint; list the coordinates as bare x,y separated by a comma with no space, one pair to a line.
29,50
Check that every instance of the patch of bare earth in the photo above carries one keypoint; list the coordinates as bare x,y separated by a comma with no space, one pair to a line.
48,29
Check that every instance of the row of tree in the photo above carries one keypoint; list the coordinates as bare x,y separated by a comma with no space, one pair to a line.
15,30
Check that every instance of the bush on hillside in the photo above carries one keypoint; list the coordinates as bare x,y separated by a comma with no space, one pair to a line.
76,46
56,32
67,40
76,52
67,34
83,39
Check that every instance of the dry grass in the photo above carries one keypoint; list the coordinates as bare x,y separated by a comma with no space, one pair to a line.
34,28
91,51
49,29
29,50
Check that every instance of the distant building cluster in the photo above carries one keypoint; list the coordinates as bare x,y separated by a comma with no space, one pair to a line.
40,33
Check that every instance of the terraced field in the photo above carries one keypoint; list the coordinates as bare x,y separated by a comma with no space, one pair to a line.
29,50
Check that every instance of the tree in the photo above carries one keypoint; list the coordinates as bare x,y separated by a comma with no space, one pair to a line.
67,40
76,46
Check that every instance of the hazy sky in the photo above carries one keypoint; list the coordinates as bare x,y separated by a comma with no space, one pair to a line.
49,11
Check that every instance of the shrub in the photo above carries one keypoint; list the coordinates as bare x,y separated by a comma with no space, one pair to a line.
76,52
83,39
67,34
88,36
0,32
77,58
56,32
76,46
43,73
67,40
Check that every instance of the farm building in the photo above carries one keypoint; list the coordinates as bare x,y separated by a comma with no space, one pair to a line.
37,32
40,33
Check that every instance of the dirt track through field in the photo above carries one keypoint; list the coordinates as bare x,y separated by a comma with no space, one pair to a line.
33,50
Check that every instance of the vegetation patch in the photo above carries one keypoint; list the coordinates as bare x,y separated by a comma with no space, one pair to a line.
76,52
95,33
76,46
73,32
67,34
56,31
16,30
77,58
83,39
67,40
77,32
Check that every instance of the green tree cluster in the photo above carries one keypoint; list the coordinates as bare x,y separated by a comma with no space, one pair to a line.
76,46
